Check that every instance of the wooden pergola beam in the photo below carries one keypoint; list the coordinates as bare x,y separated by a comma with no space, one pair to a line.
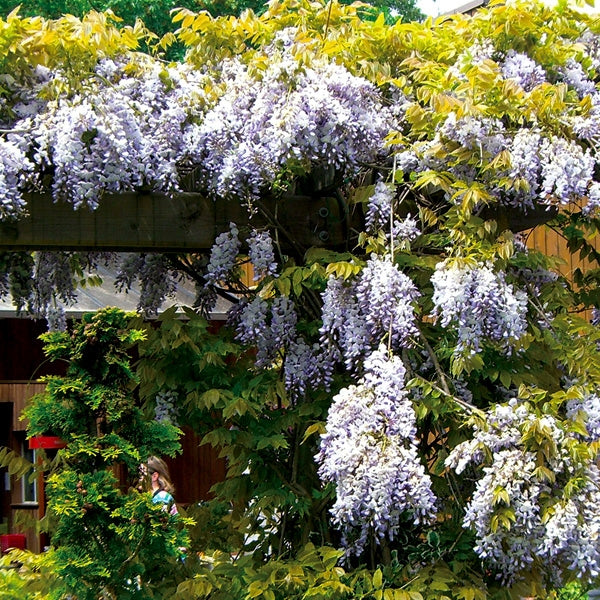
185,222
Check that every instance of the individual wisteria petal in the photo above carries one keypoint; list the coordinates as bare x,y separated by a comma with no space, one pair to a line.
369,453
479,305
548,528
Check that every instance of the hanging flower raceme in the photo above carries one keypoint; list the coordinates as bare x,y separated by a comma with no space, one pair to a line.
522,513
123,130
379,303
223,256
479,305
16,172
369,453
261,254
270,328
588,408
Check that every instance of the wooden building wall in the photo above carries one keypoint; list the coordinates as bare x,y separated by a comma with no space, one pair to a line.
552,243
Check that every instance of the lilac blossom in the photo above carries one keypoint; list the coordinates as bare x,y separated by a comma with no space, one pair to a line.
547,527
369,453
479,305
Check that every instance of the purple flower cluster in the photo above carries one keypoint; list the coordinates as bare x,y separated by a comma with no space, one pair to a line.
380,216
290,119
155,277
588,408
223,255
574,75
481,134
369,452
522,69
262,255
379,207
121,131
378,304
270,327
54,279
406,230
545,527
479,305
16,171
566,170
166,409
56,318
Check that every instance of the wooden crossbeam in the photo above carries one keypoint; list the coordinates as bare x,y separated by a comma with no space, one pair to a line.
185,222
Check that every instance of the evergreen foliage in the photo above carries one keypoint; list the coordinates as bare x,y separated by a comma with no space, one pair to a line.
106,542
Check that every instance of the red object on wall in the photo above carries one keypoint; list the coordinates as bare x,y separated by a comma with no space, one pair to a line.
51,442
12,540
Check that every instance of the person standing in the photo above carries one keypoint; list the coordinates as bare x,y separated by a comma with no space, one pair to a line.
156,474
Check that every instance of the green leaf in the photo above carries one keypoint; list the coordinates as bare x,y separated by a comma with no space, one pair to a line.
378,579
315,428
